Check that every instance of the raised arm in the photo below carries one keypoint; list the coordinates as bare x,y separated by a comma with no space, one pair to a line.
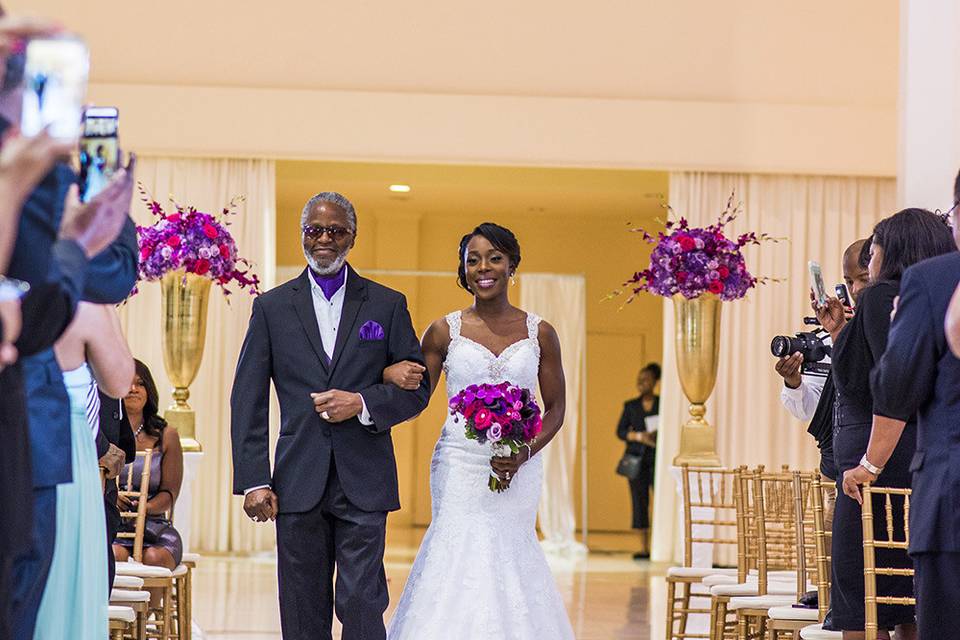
107,350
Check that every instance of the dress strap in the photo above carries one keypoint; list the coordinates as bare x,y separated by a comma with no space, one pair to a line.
533,325
453,321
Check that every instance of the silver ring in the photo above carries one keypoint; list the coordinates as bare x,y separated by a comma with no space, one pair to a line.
324,415
508,475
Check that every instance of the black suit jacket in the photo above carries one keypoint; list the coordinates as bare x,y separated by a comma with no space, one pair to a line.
918,375
283,345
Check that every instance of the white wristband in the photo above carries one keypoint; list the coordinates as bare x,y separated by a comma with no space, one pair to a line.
869,467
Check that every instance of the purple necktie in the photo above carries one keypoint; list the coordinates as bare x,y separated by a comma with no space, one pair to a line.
330,284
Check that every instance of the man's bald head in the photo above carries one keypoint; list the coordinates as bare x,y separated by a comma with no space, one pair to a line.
855,275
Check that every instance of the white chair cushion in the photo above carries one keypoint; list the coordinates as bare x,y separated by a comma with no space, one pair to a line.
181,570
752,589
142,570
760,602
124,614
793,613
699,572
713,580
127,582
191,557
122,595
816,632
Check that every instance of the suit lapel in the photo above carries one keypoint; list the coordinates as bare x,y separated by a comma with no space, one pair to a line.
354,297
303,303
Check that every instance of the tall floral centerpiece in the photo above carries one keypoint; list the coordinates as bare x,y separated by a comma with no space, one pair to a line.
699,268
186,251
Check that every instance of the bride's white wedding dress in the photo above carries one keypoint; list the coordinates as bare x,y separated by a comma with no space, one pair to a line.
480,572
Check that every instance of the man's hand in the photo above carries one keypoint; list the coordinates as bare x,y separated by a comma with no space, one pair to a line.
789,370
95,224
261,505
407,375
832,315
853,479
337,406
112,461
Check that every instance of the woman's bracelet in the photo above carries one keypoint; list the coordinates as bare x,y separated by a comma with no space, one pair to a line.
529,450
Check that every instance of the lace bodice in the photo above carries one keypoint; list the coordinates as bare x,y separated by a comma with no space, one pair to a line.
469,362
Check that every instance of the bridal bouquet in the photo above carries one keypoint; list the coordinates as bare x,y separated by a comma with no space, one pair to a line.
693,261
195,242
504,415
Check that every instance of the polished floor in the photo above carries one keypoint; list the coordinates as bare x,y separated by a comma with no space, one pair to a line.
608,595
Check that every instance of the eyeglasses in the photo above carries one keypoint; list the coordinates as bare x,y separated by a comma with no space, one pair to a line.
315,232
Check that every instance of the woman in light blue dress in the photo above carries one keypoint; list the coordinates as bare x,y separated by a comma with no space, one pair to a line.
76,595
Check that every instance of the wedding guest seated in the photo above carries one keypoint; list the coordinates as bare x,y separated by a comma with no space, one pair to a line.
162,545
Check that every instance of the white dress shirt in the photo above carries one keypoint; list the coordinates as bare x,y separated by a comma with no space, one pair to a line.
328,314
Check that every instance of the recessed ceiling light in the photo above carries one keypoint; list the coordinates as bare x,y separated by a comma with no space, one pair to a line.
400,188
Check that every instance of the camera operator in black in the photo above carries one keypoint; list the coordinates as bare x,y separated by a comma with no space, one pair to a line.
810,397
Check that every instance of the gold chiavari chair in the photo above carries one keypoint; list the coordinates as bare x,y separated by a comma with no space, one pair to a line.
768,514
705,490
871,544
809,527
160,626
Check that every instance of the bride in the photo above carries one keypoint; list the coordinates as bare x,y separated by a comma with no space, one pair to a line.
480,572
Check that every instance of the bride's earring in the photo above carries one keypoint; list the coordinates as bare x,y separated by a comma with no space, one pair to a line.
513,281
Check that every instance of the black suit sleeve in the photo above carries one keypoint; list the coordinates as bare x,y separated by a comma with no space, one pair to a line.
250,406
103,445
624,426
113,272
389,405
904,378
128,442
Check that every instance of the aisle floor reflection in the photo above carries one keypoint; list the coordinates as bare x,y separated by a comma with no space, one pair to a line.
608,595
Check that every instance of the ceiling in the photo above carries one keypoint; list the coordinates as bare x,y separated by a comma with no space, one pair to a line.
813,52
475,190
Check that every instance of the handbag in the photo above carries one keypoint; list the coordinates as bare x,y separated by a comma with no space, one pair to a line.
629,466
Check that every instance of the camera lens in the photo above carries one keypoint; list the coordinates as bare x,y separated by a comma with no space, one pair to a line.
780,346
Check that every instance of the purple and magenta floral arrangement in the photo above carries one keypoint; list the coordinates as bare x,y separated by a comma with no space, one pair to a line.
694,261
195,242
504,415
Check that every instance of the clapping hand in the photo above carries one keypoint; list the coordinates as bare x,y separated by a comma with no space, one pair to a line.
407,375
95,224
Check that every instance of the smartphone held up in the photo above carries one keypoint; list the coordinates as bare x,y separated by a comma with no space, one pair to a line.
55,86
99,150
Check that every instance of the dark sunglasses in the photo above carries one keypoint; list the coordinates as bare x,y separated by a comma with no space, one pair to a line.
315,232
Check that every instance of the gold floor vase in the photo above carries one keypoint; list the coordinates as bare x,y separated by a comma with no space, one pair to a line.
698,352
184,301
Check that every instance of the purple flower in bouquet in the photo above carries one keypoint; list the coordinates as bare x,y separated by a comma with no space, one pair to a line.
693,261
195,242
504,415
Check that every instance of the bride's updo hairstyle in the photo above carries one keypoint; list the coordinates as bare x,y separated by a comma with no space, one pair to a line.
501,238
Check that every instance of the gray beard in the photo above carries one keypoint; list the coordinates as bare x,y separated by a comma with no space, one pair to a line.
330,270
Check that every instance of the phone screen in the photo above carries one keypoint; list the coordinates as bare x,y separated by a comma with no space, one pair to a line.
99,150
55,78
816,281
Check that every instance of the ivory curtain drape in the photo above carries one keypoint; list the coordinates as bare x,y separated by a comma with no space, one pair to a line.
561,300
208,184
818,217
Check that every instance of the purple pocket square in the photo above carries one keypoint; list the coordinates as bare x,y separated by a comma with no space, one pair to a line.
371,331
